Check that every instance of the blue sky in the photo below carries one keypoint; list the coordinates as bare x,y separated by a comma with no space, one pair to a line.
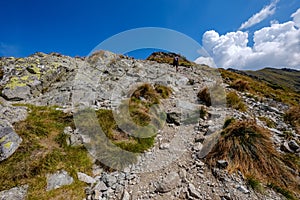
76,27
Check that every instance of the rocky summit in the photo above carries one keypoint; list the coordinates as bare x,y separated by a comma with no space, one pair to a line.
112,127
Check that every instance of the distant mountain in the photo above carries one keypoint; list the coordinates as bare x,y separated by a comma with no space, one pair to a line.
286,79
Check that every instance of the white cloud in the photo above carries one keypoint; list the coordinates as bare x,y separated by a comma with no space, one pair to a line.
296,18
275,46
260,16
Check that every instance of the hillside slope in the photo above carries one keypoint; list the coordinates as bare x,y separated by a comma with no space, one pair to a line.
287,79
112,127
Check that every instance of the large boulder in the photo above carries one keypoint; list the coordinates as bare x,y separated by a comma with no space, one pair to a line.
9,140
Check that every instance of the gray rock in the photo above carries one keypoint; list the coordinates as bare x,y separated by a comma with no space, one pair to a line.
17,93
193,192
286,148
168,183
85,178
243,189
58,179
126,195
100,186
109,180
293,145
222,164
164,146
75,138
16,193
9,140
174,118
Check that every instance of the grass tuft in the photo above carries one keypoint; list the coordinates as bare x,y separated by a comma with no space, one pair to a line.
240,85
292,116
249,149
234,101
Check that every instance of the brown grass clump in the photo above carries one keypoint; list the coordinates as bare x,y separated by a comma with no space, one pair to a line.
240,85
293,117
234,101
214,95
164,91
249,149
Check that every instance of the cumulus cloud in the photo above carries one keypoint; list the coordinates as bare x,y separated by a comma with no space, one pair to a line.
275,46
296,18
260,16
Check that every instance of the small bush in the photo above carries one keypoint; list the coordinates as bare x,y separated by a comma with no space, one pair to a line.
234,101
240,85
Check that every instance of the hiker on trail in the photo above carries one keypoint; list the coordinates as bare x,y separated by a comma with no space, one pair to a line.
175,62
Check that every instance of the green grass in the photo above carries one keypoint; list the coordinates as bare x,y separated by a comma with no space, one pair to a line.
254,184
129,132
41,152
286,193
262,89
235,102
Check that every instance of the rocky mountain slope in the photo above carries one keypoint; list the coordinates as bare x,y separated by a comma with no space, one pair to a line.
112,127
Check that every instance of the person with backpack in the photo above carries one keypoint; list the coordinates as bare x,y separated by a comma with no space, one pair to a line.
176,62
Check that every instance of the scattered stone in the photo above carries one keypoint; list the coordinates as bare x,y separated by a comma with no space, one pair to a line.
243,189
100,186
168,183
286,147
174,118
164,146
15,193
109,180
293,145
85,178
193,192
126,195
58,179
222,164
